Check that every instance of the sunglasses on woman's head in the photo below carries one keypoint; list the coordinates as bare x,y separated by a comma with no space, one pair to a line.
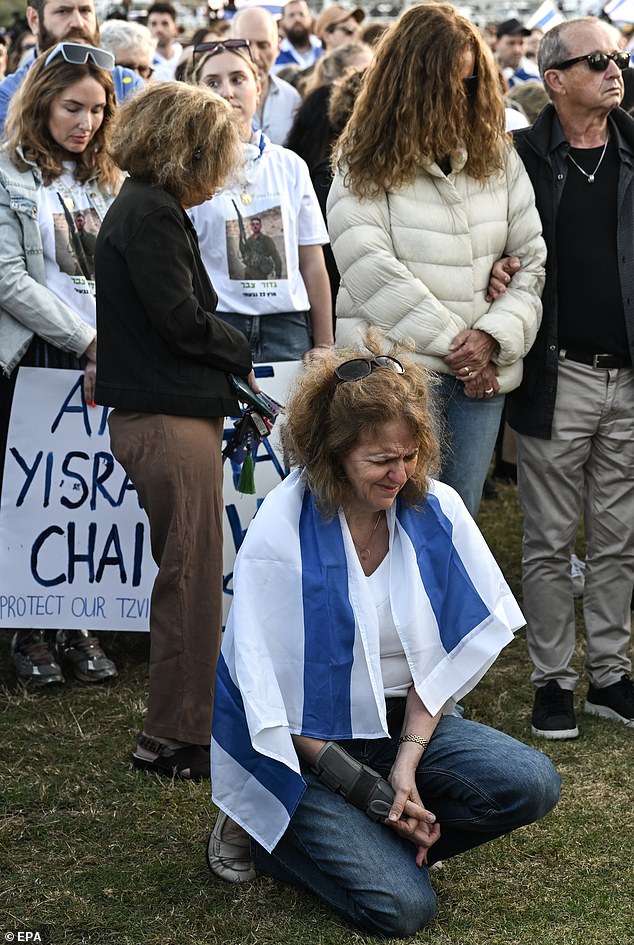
597,61
358,368
78,54
220,46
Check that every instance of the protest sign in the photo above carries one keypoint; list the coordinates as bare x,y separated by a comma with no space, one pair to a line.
74,540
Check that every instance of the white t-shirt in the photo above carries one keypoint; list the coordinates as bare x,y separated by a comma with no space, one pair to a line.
397,676
164,69
250,233
69,225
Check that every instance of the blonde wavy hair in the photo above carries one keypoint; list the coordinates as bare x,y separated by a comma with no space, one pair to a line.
181,137
325,420
414,108
29,140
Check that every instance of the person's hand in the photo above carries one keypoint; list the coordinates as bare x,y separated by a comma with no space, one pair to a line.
252,382
408,815
470,352
483,384
501,274
90,372
317,352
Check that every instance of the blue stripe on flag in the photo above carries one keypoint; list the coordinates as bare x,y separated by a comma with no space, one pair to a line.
329,626
457,606
231,732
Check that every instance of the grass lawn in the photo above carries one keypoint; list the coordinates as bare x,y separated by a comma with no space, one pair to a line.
91,851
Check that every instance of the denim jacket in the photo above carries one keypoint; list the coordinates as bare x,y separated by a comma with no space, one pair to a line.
27,306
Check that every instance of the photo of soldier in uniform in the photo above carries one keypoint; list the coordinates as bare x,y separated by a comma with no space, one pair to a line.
75,239
255,246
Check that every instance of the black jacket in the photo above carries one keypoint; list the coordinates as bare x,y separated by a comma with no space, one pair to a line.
543,149
161,349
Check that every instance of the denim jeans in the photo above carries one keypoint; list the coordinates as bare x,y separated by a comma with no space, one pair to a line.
282,337
469,429
479,782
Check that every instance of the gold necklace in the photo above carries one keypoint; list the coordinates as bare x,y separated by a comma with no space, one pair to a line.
364,553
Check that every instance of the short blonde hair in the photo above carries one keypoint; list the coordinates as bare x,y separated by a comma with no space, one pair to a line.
325,420
176,136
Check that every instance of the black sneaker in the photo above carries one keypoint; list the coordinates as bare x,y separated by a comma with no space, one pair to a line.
33,659
82,650
614,702
553,712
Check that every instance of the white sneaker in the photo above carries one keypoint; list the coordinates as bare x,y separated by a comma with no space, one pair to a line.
229,851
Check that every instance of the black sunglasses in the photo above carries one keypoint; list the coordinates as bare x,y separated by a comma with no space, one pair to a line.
358,368
598,61
146,72
220,45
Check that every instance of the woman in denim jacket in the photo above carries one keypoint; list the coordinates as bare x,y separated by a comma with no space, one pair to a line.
56,183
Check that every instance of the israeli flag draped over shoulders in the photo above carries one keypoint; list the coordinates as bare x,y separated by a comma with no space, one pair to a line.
301,652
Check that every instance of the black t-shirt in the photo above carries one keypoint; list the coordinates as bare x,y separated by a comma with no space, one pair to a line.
590,307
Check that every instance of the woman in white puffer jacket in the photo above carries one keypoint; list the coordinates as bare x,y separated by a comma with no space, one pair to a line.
428,195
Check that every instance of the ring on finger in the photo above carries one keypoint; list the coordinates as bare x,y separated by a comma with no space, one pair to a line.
466,371
489,392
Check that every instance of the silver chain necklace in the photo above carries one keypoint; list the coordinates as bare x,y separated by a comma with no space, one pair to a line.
585,173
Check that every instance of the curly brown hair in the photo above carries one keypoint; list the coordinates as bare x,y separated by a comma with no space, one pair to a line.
414,107
181,137
325,420
29,140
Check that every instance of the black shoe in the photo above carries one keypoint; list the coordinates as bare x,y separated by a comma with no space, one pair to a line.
553,712
82,650
614,702
33,659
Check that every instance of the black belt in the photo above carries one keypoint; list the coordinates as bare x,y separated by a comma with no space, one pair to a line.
604,361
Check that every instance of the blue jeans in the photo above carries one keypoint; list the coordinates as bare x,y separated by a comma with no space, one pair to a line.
468,429
282,337
479,782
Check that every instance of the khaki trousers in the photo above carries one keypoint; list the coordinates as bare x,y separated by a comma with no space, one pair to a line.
175,464
586,467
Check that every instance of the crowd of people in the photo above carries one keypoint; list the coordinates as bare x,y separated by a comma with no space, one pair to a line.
175,209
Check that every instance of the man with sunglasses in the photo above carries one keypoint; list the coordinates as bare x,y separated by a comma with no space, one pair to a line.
574,412
337,26
55,21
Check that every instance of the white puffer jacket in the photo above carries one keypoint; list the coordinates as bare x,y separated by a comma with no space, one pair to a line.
416,262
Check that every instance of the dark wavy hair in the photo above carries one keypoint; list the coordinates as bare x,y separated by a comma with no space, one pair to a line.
325,420
414,107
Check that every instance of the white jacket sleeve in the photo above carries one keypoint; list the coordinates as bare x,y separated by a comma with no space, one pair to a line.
26,300
514,318
382,290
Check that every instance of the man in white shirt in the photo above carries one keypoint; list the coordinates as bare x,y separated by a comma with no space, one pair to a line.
278,100
161,21
299,46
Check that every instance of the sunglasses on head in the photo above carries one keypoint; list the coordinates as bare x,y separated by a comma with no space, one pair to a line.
221,45
78,54
358,368
597,61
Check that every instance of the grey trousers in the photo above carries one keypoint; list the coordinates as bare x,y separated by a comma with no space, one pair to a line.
175,464
586,467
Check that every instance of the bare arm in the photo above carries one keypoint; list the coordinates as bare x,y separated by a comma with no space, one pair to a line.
315,276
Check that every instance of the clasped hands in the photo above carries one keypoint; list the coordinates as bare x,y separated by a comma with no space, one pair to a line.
408,816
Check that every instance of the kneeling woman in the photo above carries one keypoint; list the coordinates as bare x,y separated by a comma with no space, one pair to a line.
366,602
261,237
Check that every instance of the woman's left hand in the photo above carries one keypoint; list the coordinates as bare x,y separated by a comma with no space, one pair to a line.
253,384
470,352
484,384
409,816
316,352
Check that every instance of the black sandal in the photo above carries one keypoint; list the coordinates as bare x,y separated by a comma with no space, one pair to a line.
191,762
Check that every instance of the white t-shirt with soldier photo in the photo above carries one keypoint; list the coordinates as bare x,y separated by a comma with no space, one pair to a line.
69,224
250,233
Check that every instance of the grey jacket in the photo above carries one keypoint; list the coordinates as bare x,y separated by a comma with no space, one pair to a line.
27,306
